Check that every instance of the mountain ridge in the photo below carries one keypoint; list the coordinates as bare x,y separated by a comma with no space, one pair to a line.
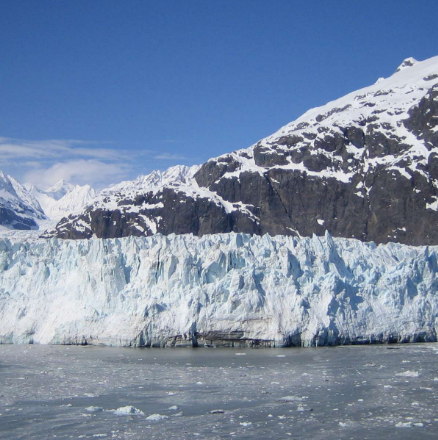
363,166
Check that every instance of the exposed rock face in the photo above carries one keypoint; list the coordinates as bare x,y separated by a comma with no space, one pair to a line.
219,290
364,166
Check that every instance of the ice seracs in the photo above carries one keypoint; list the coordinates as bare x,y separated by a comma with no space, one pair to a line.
219,290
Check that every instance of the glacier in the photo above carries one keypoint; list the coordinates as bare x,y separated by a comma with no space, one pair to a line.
216,290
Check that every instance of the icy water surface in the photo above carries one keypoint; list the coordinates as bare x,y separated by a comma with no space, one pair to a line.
367,392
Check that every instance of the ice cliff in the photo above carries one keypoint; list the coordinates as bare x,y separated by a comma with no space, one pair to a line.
226,289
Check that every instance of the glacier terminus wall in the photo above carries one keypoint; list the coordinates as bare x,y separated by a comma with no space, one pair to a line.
217,290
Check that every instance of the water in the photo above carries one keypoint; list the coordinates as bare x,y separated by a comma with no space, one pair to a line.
315,393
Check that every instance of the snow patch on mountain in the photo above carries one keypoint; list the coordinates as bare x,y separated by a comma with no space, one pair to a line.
225,289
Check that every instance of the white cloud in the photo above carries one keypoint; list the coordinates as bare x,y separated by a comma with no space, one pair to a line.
45,162
81,171
11,149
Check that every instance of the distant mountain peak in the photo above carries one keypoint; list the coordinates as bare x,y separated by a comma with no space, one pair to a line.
59,190
63,198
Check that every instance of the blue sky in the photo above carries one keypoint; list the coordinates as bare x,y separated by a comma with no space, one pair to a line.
104,90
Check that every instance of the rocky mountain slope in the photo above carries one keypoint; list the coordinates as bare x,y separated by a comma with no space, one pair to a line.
18,208
224,289
62,199
364,166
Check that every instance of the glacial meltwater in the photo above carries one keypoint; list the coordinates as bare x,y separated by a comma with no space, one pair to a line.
349,392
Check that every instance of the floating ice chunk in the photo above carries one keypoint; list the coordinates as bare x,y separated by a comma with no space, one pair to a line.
290,399
240,354
128,411
156,417
408,374
245,424
403,425
93,409
173,408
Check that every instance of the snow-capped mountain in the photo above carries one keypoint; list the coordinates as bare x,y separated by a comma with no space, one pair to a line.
224,289
59,190
18,208
364,166
62,199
